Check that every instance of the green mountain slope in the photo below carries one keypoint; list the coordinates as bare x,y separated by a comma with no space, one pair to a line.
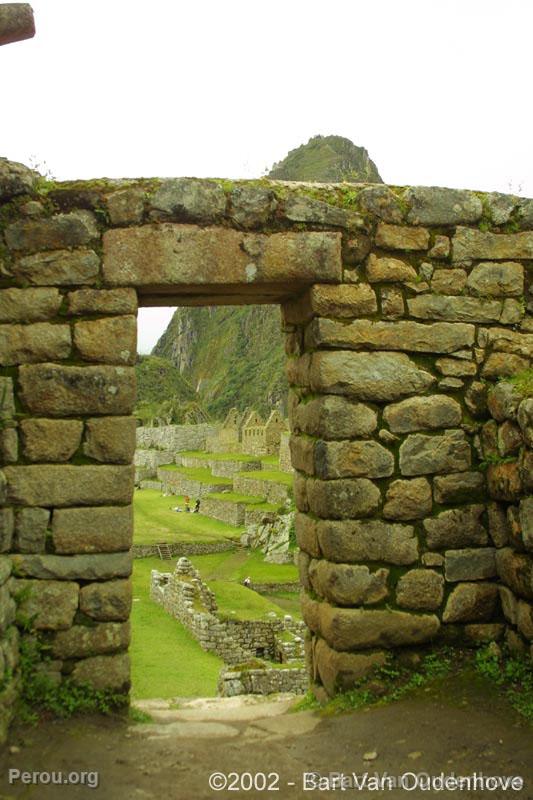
327,159
164,396
234,356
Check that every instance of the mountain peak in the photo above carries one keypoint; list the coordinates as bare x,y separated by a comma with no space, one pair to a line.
327,159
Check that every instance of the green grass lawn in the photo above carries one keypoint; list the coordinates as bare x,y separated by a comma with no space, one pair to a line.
256,503
154,521
166,661
200,474
236,566
275,475
235,601
219,456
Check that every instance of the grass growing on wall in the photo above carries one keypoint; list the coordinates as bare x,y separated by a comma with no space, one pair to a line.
166,661
156,522
274,475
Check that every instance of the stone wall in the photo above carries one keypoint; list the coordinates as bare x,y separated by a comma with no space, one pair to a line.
400,306
183,549
187,598
174,437
233,682
507,448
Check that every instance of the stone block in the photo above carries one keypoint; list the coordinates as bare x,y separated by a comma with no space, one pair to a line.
69,568
442,337
526,522
58,268
392,302
110,439
81,641
92,530
357,628
5,569
525,419
401,237
50,439
339,672
470,564
476,399
190,199
104,672
441,247
503,365
126,207
422,454
525,470
170,255
345,301
509,604
31,525
454,309
29,305
52,233
503,279
459,527
102,301
423,413
345,459
355,249
469,243
63,391
498,524
459,487
432,559
420,589
7,526
504,481
369,540
456,368
301,208
381,202
448,281
516,571
252,206
333,417
348,584
15,179
389,270
524,619
39,341
483,633
436,206
408,499
9,444
69,485
307,534
51,605
509,439
110,340
344,498
107,602
7,399
367,376
471,602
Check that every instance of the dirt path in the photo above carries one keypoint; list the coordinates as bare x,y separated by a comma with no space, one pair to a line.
174,757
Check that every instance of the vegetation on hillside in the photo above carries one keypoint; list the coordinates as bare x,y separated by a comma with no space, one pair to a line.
164,396
328,159
232,355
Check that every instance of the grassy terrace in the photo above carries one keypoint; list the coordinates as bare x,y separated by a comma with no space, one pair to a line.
256,503
237,565
200,474
154,521
275,475
268,461
166,661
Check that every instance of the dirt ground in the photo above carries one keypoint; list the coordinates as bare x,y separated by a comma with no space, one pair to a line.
173,758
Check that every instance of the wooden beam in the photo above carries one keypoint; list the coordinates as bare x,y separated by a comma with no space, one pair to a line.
16,22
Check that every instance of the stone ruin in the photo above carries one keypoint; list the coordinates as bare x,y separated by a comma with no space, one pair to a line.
185,596
404,309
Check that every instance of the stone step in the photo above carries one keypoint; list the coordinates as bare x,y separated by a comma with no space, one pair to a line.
242,708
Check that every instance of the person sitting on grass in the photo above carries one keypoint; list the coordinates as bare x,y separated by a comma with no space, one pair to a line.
247,582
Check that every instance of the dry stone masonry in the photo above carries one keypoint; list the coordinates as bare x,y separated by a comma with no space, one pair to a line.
401,308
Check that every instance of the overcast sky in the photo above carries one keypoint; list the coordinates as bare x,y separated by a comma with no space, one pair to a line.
439,92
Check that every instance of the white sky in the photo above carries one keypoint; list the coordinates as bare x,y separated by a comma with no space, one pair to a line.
438,91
